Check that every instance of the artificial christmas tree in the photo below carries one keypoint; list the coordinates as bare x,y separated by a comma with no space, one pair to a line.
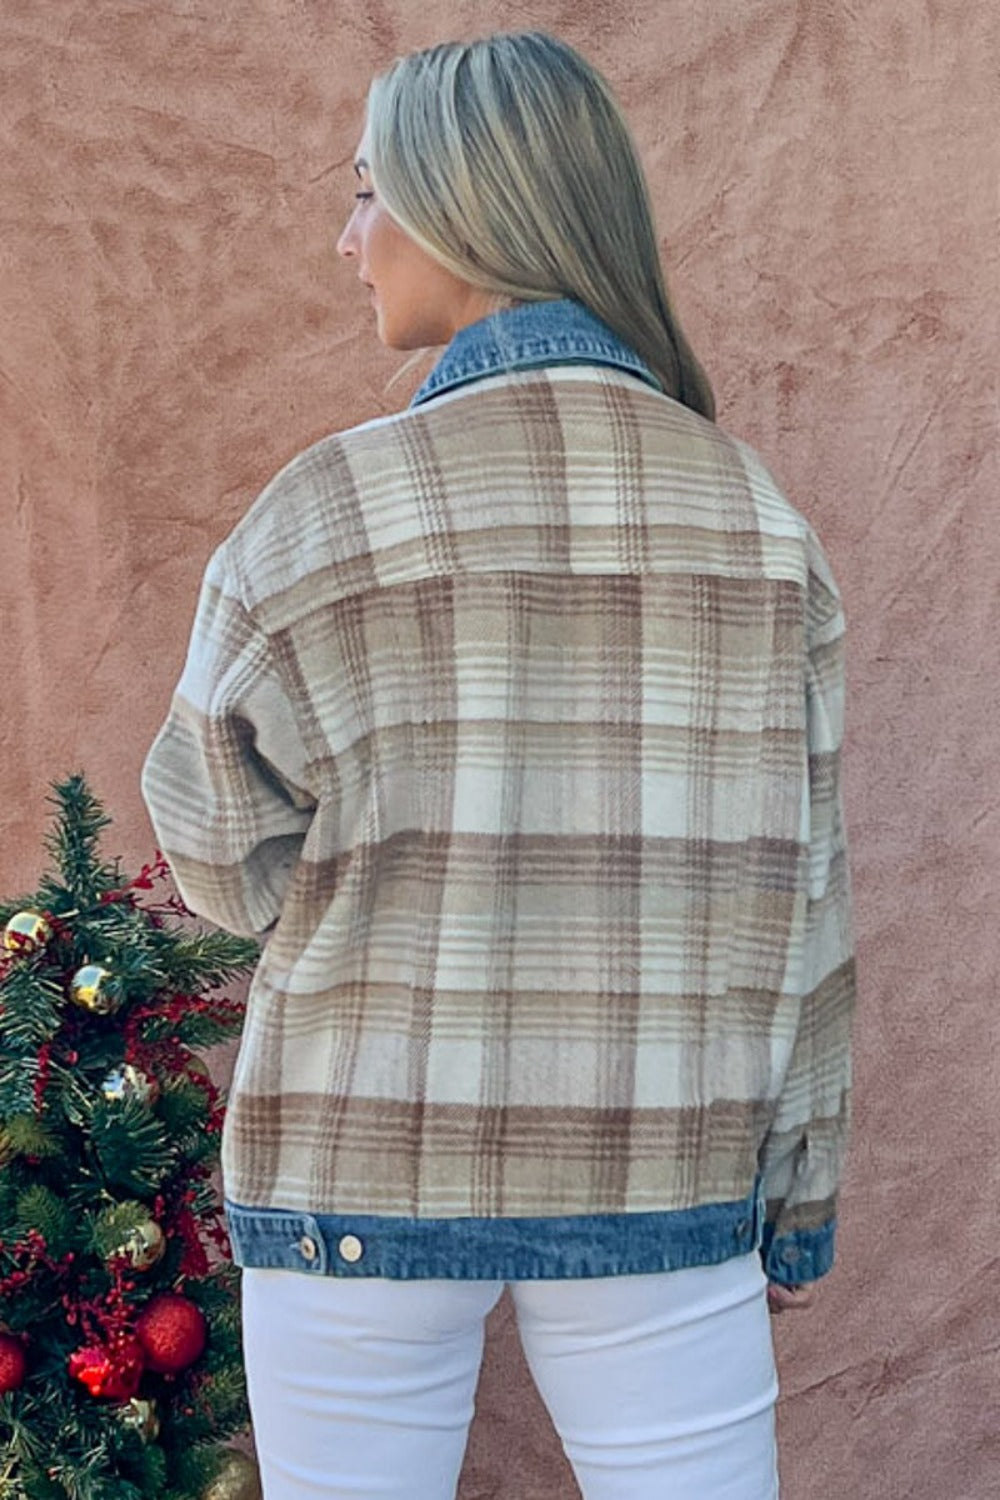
120,1370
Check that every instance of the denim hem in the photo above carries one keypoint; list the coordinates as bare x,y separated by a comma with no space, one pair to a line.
502,1249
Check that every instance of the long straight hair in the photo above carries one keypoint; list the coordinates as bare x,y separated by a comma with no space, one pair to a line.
509,161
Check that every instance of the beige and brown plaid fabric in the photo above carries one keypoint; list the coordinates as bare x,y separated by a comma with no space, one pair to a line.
519,714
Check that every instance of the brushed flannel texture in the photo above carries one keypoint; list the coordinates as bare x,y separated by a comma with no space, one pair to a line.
514,719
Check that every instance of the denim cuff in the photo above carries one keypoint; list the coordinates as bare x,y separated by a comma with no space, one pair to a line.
797,1257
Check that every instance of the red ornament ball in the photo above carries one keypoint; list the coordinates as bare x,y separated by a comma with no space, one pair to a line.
13,1363
172,1332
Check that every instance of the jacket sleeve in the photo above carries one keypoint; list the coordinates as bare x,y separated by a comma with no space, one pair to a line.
226,779
802,1155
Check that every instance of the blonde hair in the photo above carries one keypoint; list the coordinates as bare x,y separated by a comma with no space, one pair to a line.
509,161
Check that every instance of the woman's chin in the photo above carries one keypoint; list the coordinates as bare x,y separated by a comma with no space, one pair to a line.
384,334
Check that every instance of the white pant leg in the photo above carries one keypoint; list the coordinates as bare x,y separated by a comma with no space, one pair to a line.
661,1387
362,1387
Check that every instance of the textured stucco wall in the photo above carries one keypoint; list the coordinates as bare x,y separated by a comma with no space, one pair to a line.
174,326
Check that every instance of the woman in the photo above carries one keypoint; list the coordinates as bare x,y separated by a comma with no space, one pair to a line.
513,720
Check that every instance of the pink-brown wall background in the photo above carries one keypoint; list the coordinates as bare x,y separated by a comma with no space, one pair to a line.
174,326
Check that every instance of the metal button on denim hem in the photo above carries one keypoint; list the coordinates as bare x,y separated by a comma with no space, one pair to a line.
308,1248
351,1248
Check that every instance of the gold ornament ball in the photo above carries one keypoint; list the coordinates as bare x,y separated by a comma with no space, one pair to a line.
144,1246
238,1479
89,989
26,932
129,1082
141,1417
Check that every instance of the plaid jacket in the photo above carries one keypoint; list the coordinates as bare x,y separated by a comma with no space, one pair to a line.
514,720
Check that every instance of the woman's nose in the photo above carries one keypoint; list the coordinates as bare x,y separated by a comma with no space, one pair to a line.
346,242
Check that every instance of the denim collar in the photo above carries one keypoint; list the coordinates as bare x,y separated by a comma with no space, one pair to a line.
561,332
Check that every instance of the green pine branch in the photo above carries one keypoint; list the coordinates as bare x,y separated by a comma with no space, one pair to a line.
132,1146
74,841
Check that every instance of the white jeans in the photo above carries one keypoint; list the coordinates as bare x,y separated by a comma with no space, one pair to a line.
661,1387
